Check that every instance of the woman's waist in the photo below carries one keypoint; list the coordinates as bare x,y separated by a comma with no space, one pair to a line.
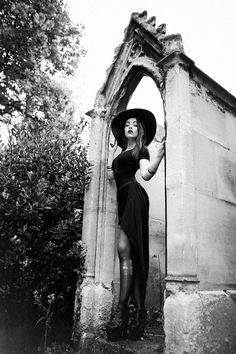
125,182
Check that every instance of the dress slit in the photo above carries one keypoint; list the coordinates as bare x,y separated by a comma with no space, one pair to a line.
133,218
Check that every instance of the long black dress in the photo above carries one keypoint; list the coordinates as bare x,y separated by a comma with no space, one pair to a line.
133,211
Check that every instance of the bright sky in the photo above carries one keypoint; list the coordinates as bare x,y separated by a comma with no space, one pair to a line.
208,29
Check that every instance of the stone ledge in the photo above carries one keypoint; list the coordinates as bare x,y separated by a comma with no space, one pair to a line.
200,322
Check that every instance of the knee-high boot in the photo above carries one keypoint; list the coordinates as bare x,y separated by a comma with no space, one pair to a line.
140,317
117,327
126,278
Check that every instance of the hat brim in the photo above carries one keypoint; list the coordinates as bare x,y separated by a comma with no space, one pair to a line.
143,115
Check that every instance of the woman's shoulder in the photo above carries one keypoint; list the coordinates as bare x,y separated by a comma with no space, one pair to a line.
144,153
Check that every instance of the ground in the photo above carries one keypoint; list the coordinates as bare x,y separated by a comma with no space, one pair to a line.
152,344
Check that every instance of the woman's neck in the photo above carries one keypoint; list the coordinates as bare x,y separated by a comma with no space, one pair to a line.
130,144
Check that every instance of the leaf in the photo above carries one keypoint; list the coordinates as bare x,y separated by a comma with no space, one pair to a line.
40,320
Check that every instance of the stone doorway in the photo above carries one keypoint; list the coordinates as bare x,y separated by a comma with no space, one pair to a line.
135,59
156,192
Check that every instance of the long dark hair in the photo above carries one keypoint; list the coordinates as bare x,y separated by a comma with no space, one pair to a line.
140,140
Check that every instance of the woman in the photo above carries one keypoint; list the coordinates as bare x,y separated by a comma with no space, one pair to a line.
133,130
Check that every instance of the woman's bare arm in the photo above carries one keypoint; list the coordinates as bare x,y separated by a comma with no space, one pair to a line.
149,168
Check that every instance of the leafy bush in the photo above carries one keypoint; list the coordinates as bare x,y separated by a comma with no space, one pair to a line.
42,175
42,181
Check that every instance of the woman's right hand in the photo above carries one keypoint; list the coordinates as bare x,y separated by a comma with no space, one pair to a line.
89,173
90,168
113,147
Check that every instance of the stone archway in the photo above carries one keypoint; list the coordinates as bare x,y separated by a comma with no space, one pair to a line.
139,55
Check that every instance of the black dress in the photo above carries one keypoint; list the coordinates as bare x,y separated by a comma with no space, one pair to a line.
133,211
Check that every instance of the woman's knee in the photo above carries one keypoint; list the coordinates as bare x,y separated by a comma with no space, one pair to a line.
124,246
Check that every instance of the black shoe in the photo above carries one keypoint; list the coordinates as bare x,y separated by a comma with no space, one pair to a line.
117,328
138,325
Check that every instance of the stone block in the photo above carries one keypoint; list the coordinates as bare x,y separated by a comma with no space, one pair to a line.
216,230
179,159
173,43
181,231
208,118
96,304
204,164
156,278
202,322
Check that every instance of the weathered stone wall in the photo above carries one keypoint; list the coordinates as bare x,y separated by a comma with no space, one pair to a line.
214,156
200,308
200,322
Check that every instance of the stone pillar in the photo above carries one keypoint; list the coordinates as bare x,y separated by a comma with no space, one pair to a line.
181,230
98,230
181,277
197,320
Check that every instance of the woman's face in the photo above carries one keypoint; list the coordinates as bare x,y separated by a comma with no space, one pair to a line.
131,128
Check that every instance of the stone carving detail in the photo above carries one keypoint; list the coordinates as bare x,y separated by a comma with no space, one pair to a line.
141,16
136,50
161,32
152,21
150,24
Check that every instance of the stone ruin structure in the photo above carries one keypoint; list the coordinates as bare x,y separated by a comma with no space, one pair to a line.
193,197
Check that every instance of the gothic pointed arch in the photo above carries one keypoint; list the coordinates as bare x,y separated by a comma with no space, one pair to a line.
141,53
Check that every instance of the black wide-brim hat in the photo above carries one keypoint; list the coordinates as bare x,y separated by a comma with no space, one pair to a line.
143,115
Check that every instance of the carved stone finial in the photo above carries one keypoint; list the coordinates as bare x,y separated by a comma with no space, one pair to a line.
139,17
152,21
161,32
161,29
143,15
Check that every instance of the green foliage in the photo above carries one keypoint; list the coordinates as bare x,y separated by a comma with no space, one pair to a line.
42,168
42,182
35,37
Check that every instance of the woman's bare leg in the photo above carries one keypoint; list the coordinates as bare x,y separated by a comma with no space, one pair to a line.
126,269
117,327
